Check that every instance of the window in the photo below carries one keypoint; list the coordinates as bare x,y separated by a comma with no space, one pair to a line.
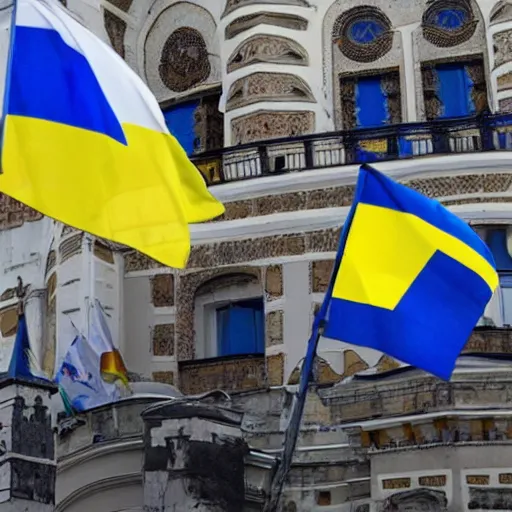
499,241
240,328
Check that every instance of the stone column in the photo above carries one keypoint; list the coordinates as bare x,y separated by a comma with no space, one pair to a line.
27,449
193,459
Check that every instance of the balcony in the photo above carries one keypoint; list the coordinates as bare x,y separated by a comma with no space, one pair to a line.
277,156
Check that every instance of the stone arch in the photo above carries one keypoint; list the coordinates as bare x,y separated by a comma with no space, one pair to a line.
232,5
179,48
187,287
276,19
266,86
265,48
501,12
426,500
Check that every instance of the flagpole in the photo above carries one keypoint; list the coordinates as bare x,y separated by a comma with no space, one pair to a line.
8,75
293,429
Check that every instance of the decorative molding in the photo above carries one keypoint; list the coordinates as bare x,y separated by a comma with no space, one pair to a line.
116,30
439,35
501,12
267,124
268,49
504,82
184,62
363,34
505,105
124,5
232,5
14,214
263,86
503,47
275,19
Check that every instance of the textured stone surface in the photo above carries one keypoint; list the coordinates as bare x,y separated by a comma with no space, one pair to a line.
267,49
274,282
162,290
232,5
116,30
275,370
342,196
124,5
321,275
14,214
505,105
504,82
163,340
276,19
232,374
165,377
262,125
264,86
274,328
503,47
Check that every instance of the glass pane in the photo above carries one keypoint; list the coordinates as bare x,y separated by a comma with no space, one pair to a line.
507,305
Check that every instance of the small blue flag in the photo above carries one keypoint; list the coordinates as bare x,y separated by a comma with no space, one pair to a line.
411,279
20,364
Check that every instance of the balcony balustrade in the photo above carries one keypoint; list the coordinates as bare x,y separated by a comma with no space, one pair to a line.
486,132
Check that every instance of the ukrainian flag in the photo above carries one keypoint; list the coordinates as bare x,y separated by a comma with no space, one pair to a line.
85,141
411,279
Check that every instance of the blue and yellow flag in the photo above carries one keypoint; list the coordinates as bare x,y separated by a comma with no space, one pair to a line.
411,279
85,141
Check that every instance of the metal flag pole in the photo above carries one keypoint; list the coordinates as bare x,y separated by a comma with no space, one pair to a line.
292,432
8,75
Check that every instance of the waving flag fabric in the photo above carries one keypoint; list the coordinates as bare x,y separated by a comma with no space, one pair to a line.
85,141
411,280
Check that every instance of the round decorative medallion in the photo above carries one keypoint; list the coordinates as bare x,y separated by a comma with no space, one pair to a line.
449,23
363,34
184,62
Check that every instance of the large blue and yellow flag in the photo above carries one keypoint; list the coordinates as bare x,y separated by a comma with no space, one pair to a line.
85,141
411,279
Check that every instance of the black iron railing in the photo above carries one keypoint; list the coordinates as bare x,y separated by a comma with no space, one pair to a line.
457,135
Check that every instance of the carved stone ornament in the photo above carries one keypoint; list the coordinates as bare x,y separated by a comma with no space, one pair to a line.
232,5
184,61
502,47
363,34
264,125
116,29
267,87
268,49
275,19
426,500
448,23
504,82
124,5
501,12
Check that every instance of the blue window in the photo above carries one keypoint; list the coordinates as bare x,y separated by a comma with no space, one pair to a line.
365,31
454,90
180,120
241,328
451,19
499,241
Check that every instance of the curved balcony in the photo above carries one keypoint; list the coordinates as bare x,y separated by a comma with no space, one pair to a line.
276,156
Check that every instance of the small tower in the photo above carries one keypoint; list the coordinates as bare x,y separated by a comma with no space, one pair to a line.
27,448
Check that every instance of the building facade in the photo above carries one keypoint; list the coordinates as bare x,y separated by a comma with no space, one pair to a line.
277,103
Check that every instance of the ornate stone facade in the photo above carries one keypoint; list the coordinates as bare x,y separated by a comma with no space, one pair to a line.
262,125
267,49
116,29
258,87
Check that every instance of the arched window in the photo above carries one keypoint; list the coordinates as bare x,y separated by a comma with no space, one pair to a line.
229,317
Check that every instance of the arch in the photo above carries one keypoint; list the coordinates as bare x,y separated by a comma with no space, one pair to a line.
232,5
268,49
244,23
363,34
501,12
183,35
426,500
258,87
